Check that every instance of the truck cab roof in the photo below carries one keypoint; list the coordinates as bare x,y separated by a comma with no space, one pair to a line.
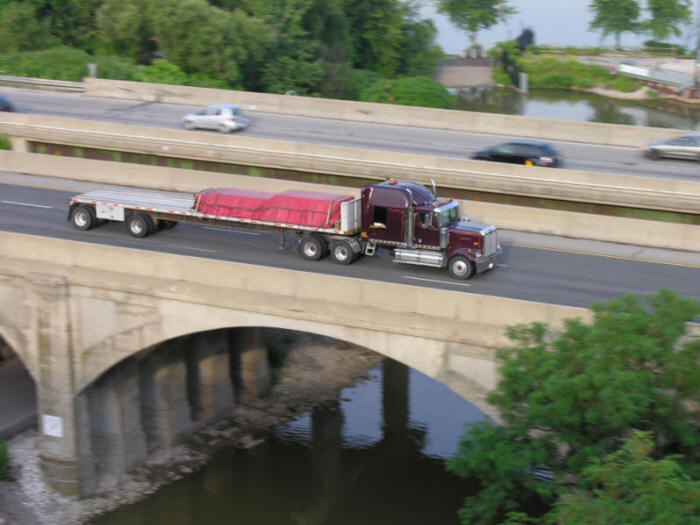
421,195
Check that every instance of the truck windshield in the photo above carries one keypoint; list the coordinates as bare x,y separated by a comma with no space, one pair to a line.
448,214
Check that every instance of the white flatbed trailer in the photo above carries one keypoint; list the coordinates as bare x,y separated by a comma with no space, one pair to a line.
147,211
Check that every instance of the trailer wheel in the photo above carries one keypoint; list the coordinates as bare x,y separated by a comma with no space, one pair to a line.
311,247
84,218
140,225
342,253
460,267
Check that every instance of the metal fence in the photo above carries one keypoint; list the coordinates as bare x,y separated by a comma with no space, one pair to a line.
42,83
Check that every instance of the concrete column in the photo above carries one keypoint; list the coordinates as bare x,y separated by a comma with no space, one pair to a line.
250,363
212,389
165,409
65,464
118,439
19,144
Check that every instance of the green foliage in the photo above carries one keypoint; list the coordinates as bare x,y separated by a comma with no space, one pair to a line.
624,84
306,46
471,16
667,16
632,488
568,399
410,91
160,72
5,142
5,474
20,30
63,63
615,17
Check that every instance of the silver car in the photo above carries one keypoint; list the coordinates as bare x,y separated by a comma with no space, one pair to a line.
680,147
222,117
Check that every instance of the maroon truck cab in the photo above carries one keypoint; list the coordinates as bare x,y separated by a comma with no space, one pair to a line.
425,230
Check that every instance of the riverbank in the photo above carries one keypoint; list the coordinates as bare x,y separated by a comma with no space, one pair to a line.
315,370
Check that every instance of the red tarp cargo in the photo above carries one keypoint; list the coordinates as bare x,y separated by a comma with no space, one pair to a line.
303,208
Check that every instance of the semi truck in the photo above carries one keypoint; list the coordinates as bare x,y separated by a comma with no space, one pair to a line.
403,217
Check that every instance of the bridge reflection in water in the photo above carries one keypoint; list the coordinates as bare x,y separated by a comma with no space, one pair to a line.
374,455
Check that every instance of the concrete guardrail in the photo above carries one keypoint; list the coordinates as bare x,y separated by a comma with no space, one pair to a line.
467,121
44,83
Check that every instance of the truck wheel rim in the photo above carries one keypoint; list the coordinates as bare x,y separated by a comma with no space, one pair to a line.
310,249
341,253
81,218
459,268
136,227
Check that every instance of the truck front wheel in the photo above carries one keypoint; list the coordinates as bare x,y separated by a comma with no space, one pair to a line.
311,247
341,252
84,218
460,267
140,225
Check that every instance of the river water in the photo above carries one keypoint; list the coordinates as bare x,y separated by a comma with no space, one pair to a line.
580,106
373,456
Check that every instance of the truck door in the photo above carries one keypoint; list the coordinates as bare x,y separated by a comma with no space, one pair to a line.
427,232
386,224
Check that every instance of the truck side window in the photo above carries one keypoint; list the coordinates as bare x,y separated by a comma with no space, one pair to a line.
379,217
425,219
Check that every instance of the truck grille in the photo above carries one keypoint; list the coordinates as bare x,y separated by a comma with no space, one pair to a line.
490,242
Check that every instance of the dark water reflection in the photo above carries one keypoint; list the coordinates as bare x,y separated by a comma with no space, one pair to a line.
581,106
374,456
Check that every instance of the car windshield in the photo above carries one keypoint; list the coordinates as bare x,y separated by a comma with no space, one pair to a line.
448,214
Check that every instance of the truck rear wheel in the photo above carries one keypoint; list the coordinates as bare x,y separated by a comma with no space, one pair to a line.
140,225
311,247
461,268
341,252
84,218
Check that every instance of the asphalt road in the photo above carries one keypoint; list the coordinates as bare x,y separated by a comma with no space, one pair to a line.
417,140
534,267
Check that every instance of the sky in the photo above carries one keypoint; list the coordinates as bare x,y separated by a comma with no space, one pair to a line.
555,22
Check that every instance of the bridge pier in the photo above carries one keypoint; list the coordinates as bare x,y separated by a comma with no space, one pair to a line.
251,366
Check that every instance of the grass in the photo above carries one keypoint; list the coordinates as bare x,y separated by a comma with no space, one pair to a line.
555,72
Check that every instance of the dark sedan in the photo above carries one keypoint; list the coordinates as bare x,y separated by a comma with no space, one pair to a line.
528,152
5,104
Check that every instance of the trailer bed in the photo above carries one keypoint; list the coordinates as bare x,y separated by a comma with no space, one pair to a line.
113,204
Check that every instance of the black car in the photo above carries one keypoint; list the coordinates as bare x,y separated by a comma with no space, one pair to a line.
5,104
529,152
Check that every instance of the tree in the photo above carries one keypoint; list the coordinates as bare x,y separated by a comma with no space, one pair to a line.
473,15
420,54
615,17
20,30
570,398
126,28
666,16
632,487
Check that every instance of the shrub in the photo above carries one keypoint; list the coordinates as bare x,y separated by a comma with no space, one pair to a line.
63,63
410,91
7,145
160,72
624,84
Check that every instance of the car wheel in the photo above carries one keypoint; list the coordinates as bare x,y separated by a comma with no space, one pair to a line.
654,154
189,124
223,128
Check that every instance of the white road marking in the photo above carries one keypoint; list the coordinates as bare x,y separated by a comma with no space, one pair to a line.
27,204
434,280
229,230
191,248
502,265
